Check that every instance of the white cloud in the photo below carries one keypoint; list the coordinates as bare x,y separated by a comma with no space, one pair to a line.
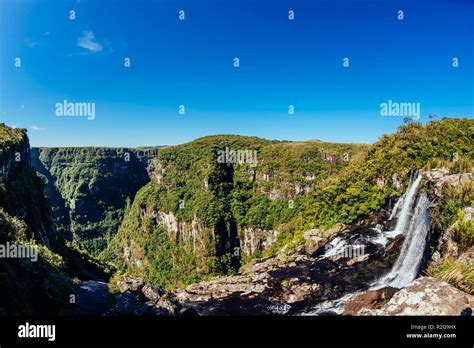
31,44
87,41
36,128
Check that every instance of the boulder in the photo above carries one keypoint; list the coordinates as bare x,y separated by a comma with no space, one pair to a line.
168,303
369,299
393,248
151,292
125,304
131,284
303,292
128,304
425,296
313,242
441,177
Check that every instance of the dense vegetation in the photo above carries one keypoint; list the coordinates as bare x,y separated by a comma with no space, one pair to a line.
34,287
91,188
293,187
209,208
360,191
217,201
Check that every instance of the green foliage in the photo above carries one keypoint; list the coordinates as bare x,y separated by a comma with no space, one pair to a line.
222,199
457,272
30,287
451,201
33,288
363,188
170,265
90,188
464,232
11,228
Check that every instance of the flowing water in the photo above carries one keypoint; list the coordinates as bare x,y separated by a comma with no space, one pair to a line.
413,223
408,263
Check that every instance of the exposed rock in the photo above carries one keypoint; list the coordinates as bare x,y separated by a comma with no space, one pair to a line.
396,181
288,283
255,239
357,259
149,308
222,287
131,284
128,304
425,296
192,231
394,247
302,292
314,242
441,177
151,292
125,304
169,304
370,299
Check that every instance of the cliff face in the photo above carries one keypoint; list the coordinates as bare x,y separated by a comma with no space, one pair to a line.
29,285
90,189
14,153
221,199
21,191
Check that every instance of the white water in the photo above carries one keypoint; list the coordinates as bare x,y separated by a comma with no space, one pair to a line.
413,223
406,268
402,210
407,201
335,306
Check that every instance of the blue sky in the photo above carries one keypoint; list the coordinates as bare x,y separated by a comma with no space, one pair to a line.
190,63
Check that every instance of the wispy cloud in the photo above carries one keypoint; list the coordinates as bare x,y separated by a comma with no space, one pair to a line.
30,43
36,128
87,41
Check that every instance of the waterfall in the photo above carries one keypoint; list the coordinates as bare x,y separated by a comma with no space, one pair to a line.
404,206
415,229
411,210
402,210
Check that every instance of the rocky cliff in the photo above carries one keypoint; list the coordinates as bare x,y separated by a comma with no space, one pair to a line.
91,188
20,189
221,199
200,212
37,277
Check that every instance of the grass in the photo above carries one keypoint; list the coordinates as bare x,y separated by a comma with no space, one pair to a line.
459,273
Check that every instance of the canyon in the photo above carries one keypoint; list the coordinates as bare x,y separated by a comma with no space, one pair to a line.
310,228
